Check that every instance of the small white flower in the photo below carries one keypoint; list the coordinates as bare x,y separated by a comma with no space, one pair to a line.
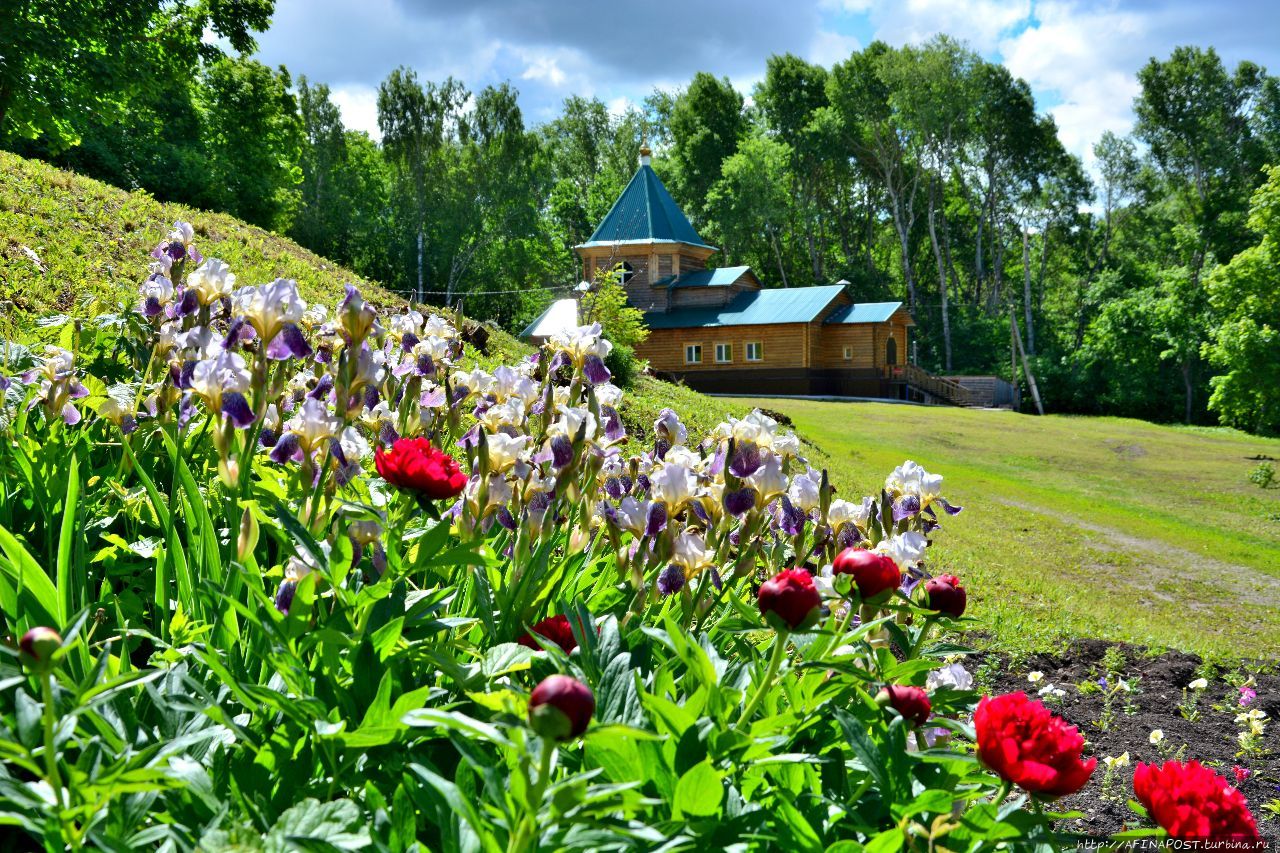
689,552
769,480
674,486
1157,737
910,479
805,491
1199,684
1114,761
1035,677
906,549
211,281
952,675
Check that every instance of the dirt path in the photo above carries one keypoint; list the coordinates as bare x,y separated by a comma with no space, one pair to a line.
1162,560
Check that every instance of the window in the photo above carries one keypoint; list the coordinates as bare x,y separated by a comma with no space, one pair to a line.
724,353
625,272
891,351
848,353
693,354
755,351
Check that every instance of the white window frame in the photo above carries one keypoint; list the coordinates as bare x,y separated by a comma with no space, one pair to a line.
689,350
728,349
848,353
759,350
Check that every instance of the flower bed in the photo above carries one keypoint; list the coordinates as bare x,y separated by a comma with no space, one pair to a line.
283,578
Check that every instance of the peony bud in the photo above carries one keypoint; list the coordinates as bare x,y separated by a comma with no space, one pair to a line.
911,702
945,594
876,575
37,648
789,600
561,707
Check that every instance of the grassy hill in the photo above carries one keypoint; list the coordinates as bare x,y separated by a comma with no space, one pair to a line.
67,240
1102,527
1076,526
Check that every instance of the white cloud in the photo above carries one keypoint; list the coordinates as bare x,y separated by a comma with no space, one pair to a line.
1088,58
545,69
359,107
981,23
830,47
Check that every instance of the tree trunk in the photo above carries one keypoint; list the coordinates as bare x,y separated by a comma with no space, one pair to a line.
1044,265
777,253
1026,290
997,251
904,240
1189,386
942,282
420,293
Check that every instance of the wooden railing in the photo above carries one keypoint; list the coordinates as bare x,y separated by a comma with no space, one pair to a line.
943,390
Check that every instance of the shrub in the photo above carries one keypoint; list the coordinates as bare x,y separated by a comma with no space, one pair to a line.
1263,475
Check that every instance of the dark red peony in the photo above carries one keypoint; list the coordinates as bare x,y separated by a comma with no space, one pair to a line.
875,575
1191,802
414,464
553,628
790,600
561,707
911,702
1024,743
37,648
945,594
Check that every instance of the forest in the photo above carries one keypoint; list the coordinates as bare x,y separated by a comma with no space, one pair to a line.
1144,285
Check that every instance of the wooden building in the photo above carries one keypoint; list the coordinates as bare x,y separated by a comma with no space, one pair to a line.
720,332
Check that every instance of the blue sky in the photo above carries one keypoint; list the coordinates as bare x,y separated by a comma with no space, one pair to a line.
1080,56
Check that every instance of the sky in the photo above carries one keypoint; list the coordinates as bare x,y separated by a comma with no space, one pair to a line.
1080,57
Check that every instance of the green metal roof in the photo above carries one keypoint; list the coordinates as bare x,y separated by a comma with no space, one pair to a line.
645,213
753,308
722,277
864,312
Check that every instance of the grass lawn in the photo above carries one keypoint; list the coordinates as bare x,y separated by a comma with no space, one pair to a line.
1095,527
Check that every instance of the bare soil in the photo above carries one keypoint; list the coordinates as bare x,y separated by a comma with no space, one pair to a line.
1158,681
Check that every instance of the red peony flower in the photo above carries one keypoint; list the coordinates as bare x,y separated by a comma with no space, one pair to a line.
554,628
561,707
945,594
414,464
37,648
911,702
1192,802
790,600
875,575
1024,743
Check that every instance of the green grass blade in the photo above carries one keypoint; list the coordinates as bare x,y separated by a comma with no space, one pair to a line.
176,552
34,593
66,537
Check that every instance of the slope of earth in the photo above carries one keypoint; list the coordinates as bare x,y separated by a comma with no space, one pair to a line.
1082,527
72,245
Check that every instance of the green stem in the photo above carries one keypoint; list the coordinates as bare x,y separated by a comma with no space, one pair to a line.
526,832
771,672
50,751
929,622
1005,787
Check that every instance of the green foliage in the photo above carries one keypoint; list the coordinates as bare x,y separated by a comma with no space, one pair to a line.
64,61
1263,475
1246,346
706,124
253,141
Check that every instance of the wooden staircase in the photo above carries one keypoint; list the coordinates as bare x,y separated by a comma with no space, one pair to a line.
935,389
